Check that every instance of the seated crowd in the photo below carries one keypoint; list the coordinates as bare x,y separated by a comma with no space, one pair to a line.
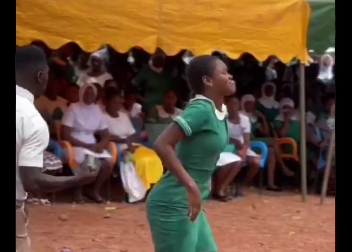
97,117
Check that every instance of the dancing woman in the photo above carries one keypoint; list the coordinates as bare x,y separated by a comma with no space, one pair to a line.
190,148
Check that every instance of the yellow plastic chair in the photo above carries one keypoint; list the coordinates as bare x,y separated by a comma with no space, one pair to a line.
289,141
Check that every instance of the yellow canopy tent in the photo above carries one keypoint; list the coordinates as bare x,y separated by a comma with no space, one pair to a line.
261,27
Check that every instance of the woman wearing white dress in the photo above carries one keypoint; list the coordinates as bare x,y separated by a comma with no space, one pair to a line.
82,121
240,133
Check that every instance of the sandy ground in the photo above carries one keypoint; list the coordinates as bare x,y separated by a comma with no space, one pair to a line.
276,223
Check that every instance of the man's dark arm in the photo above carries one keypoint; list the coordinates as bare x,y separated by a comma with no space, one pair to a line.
34,180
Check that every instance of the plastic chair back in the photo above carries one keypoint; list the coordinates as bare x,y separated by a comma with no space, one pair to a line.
263,151
292,142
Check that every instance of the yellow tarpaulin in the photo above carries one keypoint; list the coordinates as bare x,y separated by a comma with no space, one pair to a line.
261,27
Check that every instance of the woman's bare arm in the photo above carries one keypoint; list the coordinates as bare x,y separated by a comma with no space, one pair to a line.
164,146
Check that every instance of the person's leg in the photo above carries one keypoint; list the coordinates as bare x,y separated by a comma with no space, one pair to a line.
104,173
221,174
271,164
22,238
279,159
234,169
254,164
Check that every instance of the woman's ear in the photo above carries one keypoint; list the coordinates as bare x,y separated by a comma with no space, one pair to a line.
207,81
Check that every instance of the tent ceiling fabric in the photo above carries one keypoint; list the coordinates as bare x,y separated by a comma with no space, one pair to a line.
321,31
261,27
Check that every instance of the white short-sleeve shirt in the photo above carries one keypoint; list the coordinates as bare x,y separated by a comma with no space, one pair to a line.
120,126
237,131
32,136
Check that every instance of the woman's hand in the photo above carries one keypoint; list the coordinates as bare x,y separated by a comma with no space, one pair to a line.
259,115
194,201
242,153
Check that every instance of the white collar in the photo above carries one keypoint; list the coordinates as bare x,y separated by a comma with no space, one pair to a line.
20,91
219,114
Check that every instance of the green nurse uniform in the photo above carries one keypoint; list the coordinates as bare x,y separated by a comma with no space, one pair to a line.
206,135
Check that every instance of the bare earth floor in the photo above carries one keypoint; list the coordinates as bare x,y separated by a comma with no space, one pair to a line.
276,223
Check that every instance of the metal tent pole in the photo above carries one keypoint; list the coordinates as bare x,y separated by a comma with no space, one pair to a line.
328,163
303,150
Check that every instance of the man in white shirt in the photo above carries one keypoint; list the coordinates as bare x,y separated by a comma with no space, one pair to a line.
32,138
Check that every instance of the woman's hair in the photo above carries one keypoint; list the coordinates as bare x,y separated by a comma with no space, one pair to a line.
111,93
170,90
198,68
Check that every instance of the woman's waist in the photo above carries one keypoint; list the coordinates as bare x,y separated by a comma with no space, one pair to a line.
84,137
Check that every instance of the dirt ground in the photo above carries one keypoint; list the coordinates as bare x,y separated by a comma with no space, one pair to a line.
275,223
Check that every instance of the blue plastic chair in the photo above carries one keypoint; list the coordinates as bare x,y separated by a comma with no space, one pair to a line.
263,151
321,161
55,148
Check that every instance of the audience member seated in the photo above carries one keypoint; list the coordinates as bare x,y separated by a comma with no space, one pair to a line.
260,131
71,94
153,81
325,123
130,105
287,123
82,121
267,104
147,163
51,103
167,111
239,134
97,72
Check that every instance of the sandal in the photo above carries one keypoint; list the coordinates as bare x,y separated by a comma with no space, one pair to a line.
220,198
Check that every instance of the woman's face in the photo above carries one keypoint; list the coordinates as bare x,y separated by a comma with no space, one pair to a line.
287,109
233,106
89,96
269,90
158,61
72,94
115,104
249,106
96,62
170,99
223,81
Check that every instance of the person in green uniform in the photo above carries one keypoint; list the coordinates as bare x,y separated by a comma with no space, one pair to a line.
286,123
267,104
260,131
167,111
153,81
174,206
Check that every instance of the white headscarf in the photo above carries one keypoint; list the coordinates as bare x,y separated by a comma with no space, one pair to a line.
289,102
88,116
266,101
326,72
247,98
101,54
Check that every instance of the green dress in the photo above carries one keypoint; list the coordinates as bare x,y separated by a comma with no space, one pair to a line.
270,114
154,85
254,128
167,208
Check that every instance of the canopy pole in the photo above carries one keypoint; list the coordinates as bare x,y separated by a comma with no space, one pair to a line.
328,163
303,150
